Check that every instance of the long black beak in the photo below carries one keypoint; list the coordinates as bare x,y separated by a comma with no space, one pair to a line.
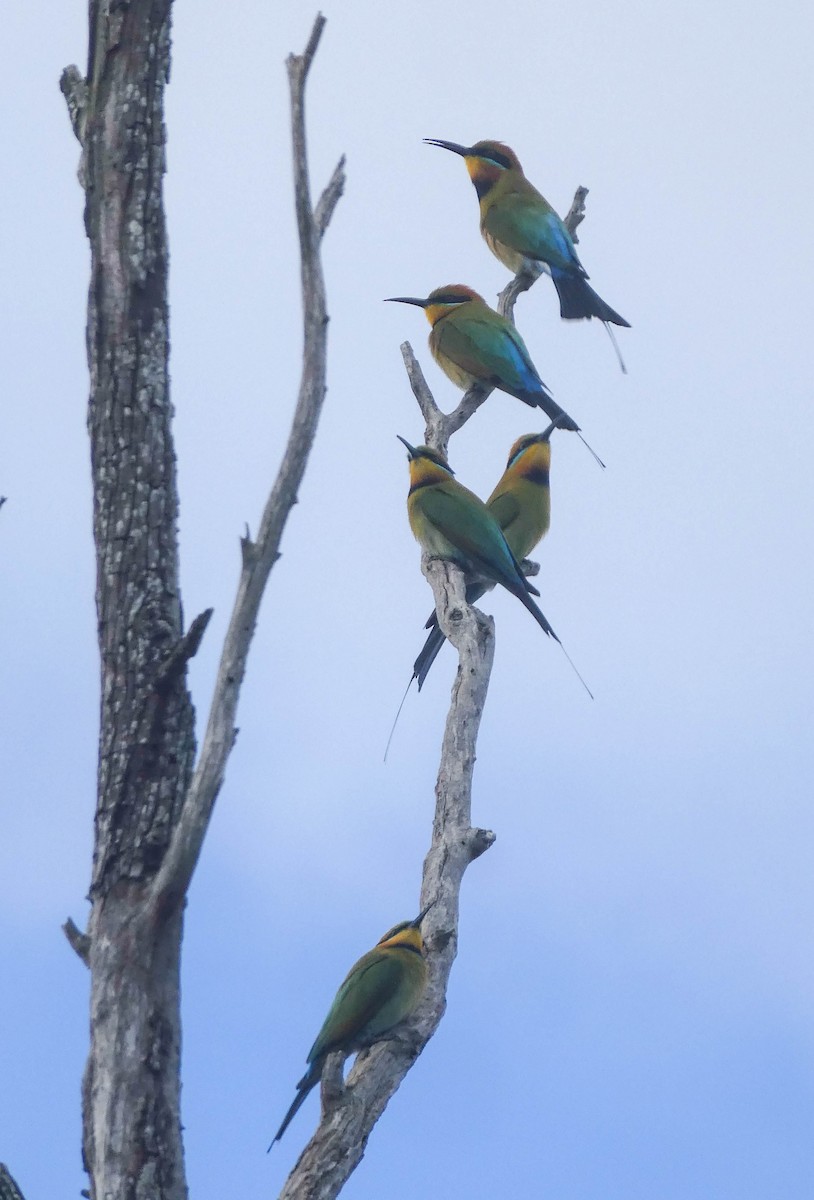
410,449
546,434
415,924
453,146
406,300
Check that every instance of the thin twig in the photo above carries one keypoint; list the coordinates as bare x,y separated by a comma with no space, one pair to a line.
74,88
80,942
330,198
433,417
439,426
521,282
576,213
259,556
186,648
477,395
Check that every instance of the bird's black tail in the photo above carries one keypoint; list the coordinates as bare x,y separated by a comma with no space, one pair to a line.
578,300
525,595
542,621
436,638
550,407
309,1080
429,652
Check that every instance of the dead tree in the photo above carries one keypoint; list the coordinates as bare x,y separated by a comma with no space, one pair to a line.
155,796
154,799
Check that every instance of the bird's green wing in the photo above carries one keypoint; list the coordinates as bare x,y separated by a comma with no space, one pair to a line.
369,985
466,523
505,508
529,225
491,350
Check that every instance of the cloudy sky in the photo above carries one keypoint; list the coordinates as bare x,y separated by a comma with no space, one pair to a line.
630,1015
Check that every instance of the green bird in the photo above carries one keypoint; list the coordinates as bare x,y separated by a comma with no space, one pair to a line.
379,992
521,505
474,344
451,522
518,223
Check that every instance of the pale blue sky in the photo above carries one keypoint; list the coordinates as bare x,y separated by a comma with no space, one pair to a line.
630,1015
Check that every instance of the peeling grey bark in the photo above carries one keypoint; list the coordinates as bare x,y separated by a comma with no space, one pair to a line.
151,813
131,1091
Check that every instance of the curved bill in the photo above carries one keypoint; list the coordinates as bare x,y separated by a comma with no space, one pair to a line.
404,442
546,434
423,914
453,146
405,300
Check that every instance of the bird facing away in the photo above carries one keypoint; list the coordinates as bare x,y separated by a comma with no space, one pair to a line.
518,223
521,505
474,344
451,522
379,991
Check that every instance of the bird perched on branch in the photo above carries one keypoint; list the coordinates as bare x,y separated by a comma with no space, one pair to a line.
451,522
521,505
474,344
379,991
518,223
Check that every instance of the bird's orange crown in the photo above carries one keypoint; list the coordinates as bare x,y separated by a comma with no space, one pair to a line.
486,161
445,299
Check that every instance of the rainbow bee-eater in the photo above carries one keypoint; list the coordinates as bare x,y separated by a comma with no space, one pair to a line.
451,522
521,505
518,223
474,344
379,991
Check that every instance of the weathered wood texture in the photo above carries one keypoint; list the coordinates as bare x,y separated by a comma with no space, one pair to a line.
152,813
131,1096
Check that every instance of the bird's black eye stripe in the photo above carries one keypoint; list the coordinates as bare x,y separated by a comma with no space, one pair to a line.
521,449
450,298
440,462
496,157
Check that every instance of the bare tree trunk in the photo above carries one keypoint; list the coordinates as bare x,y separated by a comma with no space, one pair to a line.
131,1096
151,814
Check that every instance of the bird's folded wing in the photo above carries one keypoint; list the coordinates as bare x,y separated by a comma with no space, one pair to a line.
472,532
520,222
505,508
489,352
369,985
